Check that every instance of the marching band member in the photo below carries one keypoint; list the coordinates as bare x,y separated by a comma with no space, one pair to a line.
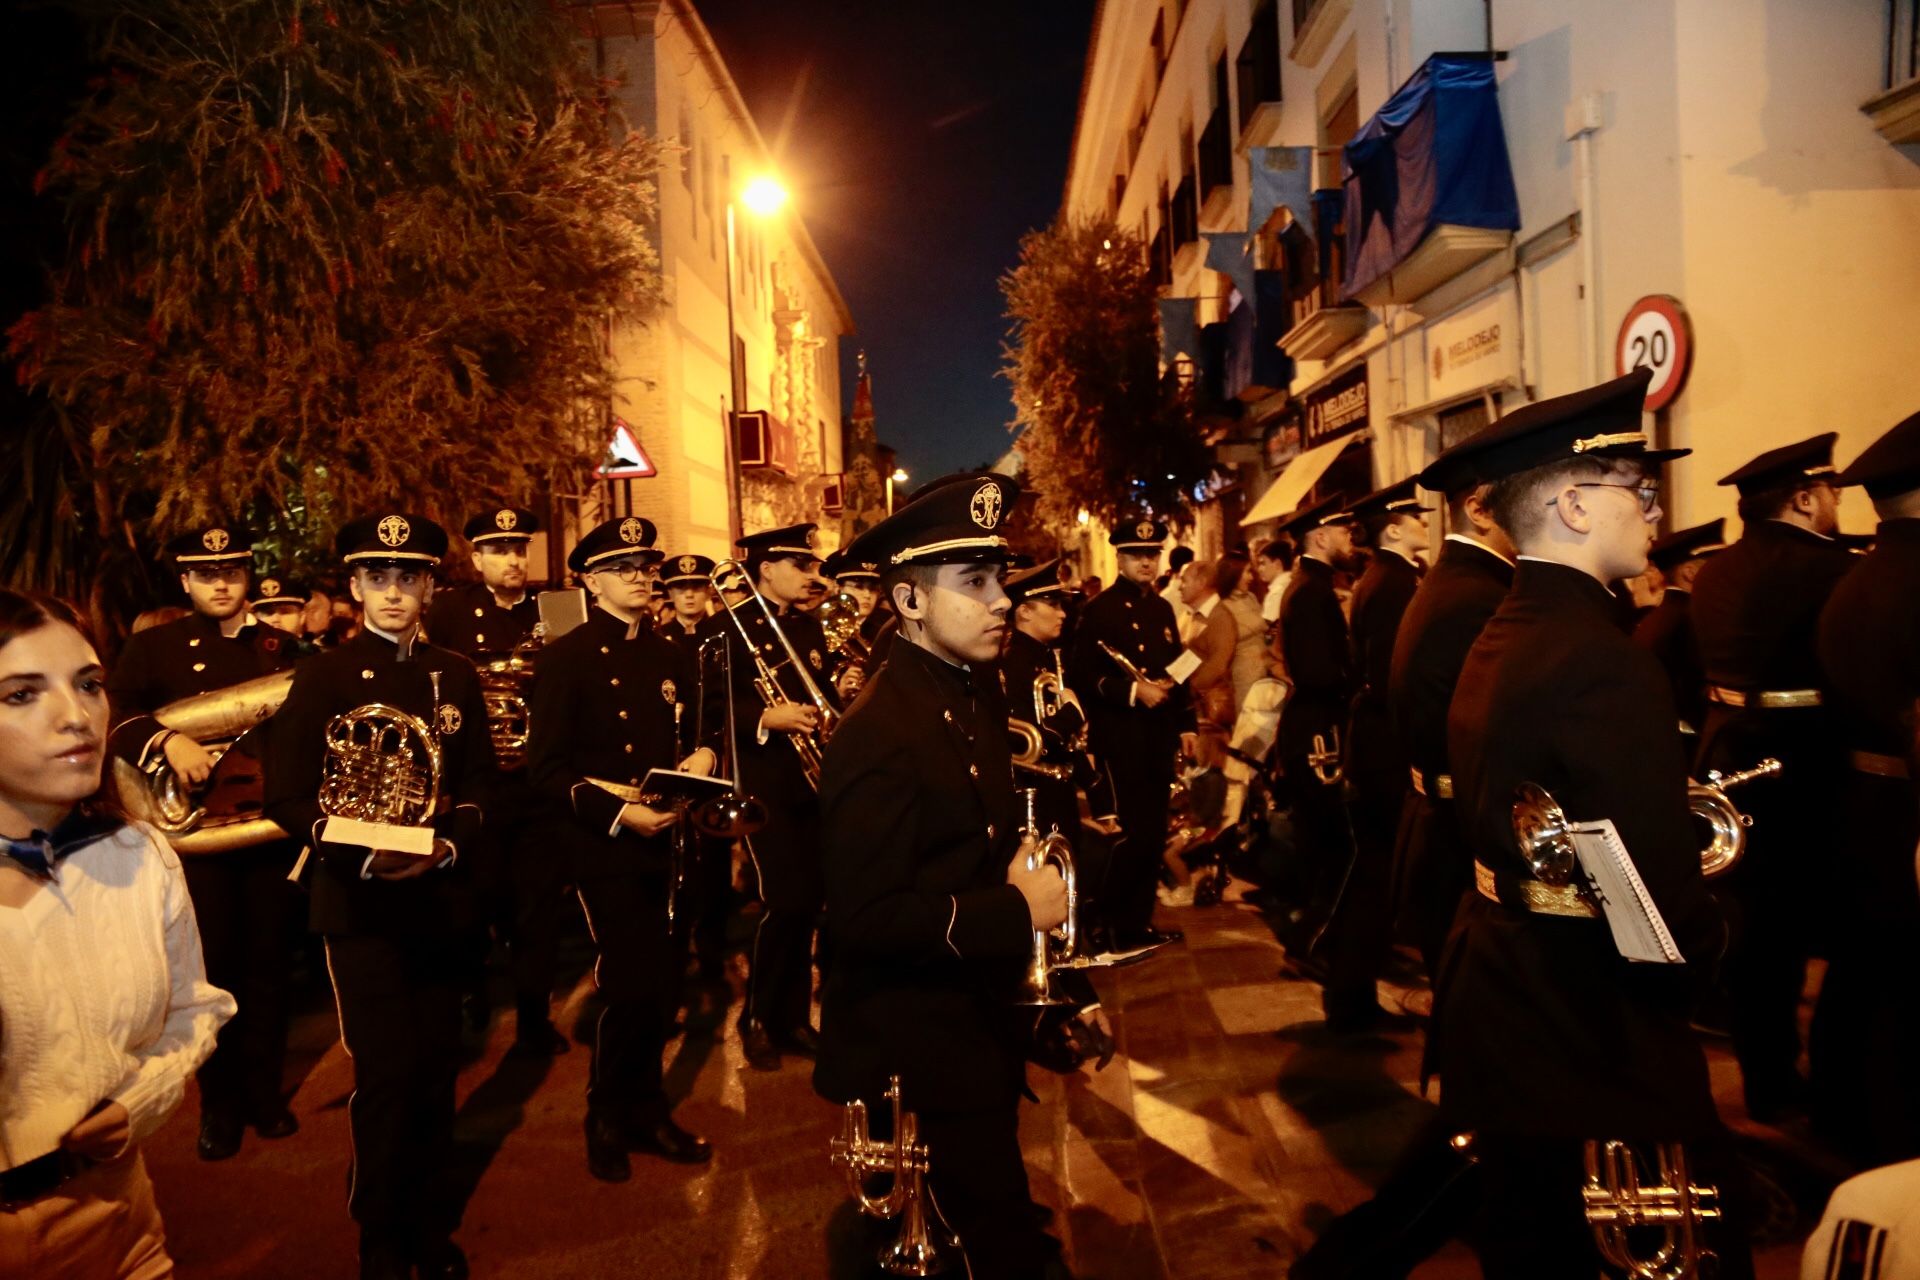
1866,1031
689,583
241,896
281,603
1137,726
1544,1034
783,567
104,1002
486,621
931,909
1756,608
1667,630
402,930
606,710
1361,932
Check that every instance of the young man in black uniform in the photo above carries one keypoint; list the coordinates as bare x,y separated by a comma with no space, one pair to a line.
607,709
281,603
1137,726
241,897
1866,1031
403,931
1318,656
1361,932
1545,1036
1667,631
484,622
688,579
930,905
689,583
1756,607
783,563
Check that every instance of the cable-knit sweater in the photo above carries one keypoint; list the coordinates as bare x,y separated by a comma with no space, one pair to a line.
103,994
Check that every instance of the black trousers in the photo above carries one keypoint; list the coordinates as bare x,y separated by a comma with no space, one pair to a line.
1142,784
786,862
707,901
525,881
1360,935
638,977
1432,868
247,912
1322,846
399,1004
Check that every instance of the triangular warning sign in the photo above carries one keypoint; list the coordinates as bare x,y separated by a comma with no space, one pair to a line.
625,459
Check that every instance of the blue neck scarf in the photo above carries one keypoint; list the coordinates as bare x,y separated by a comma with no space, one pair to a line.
40,852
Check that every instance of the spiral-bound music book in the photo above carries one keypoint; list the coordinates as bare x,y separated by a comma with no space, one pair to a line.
1639,931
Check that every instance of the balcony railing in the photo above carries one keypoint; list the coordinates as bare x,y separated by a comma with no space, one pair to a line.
1329,265
1216,153
1257,67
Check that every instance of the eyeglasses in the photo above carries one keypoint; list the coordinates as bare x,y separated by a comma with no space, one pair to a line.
1649,493
628,571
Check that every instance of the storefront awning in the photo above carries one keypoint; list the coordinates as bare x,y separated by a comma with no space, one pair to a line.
1284,495
1435,155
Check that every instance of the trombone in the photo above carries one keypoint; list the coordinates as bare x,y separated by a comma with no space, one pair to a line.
809,746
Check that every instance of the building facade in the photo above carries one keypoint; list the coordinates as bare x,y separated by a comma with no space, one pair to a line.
1540,193
724,446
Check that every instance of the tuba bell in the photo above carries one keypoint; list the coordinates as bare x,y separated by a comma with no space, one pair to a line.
926,1244
1057,948
224,812
382,765
1726,825
1666,1213
506,684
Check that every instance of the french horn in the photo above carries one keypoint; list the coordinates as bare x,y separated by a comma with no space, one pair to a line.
382,765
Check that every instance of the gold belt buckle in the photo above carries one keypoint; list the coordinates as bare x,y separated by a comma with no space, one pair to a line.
1439,786
621,790
1883,766
1540,899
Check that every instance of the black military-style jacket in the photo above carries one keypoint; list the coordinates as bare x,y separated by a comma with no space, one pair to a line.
1448,610
1024,659
1380,601
768,769
1138,623
366,669
468,620
607,705
181,659
1534,1010
1756,606
1319,659
1667,633
919,826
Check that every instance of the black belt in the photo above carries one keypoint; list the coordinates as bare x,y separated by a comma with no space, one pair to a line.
1765,699
1880,765
21,1185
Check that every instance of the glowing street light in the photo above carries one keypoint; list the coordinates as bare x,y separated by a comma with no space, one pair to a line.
899,475
763,196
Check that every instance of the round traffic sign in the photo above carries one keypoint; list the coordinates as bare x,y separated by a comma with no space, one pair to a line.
1655,334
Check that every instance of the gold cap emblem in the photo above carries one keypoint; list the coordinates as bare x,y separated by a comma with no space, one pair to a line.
504,520
668,692
393,530
447,717
985,507
269,587
631,530
688,564
1144,529
216,540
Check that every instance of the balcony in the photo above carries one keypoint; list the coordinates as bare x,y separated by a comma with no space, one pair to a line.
1257,75
1160,257
1896,111
1216,172
1314,25
1321,323
1184,218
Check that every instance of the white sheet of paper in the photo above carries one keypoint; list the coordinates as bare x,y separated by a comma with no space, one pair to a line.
379,835
1183,666
1639,931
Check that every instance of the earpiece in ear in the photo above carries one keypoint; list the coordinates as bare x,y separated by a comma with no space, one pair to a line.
913,598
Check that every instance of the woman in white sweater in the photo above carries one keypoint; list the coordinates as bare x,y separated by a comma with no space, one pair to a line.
105,1010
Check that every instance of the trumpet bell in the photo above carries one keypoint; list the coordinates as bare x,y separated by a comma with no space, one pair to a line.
1540,830
729,817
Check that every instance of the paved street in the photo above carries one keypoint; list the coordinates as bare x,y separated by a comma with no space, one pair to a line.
1229,1130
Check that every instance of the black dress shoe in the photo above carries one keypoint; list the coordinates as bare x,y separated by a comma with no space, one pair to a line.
607,1149
440,1259
803,1040
219,1136
275,1124
538,1039
669,1141
759,1047
383,1258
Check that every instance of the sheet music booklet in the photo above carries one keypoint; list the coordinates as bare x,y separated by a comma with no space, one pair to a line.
1639,931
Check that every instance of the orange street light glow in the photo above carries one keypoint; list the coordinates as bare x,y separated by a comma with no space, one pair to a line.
763,196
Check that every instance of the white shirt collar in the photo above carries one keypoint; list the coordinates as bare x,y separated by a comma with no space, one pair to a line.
1475,542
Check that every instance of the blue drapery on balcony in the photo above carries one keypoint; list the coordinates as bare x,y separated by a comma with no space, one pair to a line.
1434,154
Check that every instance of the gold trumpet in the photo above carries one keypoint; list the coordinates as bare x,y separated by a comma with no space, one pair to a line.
1325,759
1056,948
1726,825
731,575
926,1244
840,620
1029,746
1618,1203
224,812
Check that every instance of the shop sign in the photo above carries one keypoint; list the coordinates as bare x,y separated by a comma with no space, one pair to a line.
1338,407
1475,347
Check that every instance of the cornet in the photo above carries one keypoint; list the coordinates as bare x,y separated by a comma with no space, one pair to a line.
926,1242
1052,949
731,575
1726,825
1617,1203
1325,759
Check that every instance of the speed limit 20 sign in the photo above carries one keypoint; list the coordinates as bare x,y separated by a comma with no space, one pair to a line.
1655,336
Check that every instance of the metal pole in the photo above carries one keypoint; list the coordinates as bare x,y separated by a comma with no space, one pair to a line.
731,445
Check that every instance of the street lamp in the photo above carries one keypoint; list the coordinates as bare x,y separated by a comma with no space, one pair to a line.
763,196
899,476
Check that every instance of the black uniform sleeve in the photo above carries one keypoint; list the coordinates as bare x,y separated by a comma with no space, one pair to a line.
878,912
556,692
461,824
1316,642
295,749
1093,673
134,696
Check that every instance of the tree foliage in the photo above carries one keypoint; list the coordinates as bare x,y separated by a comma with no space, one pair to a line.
1101,431
323,256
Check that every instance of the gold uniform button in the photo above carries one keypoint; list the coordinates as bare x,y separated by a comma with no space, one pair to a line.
947,716
366,675
478,638
199,666
623,714
615,682
989,831
479,613
973,770
629,748
193,644
604,649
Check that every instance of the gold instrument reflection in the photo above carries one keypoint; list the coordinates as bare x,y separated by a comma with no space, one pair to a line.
926,1245
1666,1213
729,577
224,812
1056,948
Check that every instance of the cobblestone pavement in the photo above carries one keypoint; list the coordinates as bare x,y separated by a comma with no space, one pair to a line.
1229,1130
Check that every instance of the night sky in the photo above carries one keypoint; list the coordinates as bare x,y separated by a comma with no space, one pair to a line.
920,142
